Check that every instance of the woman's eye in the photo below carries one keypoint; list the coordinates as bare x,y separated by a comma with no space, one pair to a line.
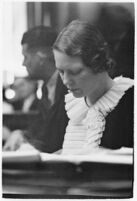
76,72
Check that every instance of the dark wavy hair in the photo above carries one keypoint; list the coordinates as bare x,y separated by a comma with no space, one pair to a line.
39,37
82,39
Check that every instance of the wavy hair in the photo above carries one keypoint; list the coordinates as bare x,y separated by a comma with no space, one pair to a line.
82,39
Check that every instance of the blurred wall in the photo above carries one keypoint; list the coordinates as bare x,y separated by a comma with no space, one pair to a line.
58,14
115,21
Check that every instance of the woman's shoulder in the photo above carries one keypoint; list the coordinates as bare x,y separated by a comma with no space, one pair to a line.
124,88
127,101
125,105
127,85
129,95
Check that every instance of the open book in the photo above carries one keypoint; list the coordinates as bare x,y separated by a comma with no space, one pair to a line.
121,156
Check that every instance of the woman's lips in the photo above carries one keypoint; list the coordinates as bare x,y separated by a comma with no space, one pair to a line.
73,90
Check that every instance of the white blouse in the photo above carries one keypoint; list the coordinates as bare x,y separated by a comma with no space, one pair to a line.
86,125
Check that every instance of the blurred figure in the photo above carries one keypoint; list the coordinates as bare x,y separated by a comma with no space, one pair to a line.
116,24
47,133
113,22
7,107
124,55
25,98
5,134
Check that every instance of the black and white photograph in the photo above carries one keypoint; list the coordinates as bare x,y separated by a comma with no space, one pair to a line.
67,106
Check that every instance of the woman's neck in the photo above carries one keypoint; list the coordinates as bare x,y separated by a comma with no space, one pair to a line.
104,83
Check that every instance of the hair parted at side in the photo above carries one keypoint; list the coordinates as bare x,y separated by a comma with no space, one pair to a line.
82,39
39,37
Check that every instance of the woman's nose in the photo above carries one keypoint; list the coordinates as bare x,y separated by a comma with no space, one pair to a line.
67,79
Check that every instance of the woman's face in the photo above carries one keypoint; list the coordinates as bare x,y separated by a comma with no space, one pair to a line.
78,78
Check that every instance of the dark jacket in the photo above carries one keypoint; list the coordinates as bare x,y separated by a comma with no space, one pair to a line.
120,123
18,105
47,132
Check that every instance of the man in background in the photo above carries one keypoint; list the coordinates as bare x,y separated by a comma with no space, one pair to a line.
47,133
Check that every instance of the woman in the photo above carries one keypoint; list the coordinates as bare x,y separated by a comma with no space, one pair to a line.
100,109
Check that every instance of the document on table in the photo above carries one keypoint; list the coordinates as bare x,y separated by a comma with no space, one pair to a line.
20,156
120,156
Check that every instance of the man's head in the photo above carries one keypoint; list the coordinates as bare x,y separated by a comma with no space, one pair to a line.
37,51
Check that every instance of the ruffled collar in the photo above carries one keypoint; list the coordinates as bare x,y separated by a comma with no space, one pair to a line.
77,109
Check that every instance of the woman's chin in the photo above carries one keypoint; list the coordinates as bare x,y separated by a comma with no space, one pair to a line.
77,94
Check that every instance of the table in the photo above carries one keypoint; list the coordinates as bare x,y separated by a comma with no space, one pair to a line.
54,178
